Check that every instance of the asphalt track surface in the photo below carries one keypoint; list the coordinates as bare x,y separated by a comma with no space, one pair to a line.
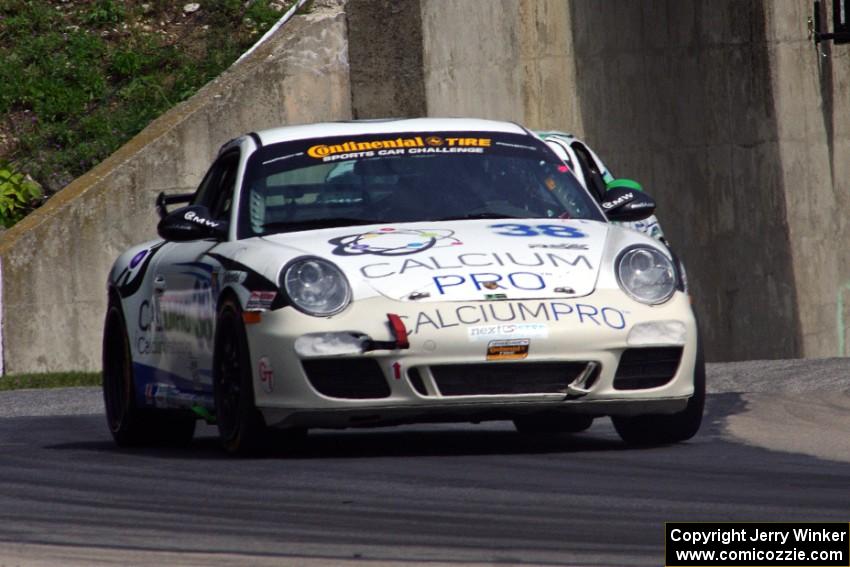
461,494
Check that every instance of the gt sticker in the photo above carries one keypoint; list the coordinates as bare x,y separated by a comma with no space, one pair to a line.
556,230
264,369
516,349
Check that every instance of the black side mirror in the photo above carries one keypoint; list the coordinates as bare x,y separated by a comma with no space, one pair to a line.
627,205
191,223
162,200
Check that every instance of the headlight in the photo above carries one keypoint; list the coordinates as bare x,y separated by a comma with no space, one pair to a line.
646,274
315,286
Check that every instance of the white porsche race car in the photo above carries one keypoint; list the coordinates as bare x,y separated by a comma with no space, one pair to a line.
386,272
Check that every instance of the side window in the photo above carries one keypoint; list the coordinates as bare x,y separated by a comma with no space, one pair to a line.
217,188
563,150
592,174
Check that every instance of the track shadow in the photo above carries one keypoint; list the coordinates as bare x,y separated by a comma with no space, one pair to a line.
492,438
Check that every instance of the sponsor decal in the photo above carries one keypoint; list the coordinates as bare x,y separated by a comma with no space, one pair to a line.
192,216
190,314
147,345
260,300
618,201
234,277
253,280
499,312
560,246
130,279
526,281
475,260
393,242
146,316
556,230
264,369
508,331
516,349
398,146
138,258
397,370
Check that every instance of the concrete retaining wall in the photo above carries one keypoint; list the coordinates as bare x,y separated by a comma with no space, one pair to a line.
811,94
679,95
55,262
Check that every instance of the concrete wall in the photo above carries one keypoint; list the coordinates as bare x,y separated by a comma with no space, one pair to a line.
679,95
736,124
501,59
810,91
55,262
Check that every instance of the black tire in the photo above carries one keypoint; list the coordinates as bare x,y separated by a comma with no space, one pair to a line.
241,427
129,424
552,423
648,430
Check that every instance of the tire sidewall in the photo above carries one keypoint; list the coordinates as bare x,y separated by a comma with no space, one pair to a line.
242,431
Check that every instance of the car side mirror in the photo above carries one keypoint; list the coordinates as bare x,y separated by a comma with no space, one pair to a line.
191,223
625,203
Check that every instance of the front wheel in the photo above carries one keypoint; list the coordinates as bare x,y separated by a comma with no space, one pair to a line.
646,430
241,427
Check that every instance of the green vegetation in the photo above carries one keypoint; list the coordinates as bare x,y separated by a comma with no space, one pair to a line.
78,78
17,195
49,380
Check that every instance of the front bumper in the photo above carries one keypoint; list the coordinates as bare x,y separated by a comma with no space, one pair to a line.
586,337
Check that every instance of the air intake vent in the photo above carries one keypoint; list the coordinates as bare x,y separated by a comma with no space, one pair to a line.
348,378
416,381
642,368
504,378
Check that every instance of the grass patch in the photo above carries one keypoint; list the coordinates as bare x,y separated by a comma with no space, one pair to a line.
49,380
79,78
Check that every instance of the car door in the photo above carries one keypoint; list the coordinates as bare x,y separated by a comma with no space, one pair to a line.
185,287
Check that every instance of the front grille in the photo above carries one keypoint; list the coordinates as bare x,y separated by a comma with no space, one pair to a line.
351,378
642,368
416,381
504,378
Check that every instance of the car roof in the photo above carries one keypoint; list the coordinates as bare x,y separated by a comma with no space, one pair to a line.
389,126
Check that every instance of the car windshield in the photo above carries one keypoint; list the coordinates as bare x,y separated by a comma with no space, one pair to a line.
427,176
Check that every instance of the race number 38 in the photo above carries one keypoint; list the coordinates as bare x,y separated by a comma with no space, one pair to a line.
556,230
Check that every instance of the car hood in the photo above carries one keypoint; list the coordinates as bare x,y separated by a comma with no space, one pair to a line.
461,260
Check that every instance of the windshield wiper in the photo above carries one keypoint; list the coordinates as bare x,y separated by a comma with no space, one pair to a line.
307,224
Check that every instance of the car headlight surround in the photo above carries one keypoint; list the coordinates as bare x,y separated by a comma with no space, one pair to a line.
315,286
646,274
